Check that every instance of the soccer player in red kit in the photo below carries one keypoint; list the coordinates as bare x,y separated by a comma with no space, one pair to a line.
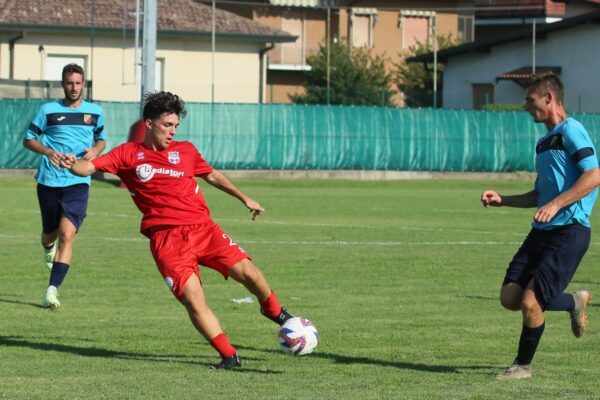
159,173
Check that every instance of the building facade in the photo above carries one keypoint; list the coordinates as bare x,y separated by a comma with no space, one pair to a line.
38,38
386,27
495,72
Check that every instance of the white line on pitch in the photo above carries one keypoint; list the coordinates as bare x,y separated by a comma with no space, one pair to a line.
301,223
399,227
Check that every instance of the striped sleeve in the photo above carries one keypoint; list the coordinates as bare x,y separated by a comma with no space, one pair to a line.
37,126
579,146
99,133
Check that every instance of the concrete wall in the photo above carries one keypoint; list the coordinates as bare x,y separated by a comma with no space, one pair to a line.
575,50
187,65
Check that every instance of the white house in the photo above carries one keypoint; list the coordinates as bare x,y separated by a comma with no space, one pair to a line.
38,37
495,71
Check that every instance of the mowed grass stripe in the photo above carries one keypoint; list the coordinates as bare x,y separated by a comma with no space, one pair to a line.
400,278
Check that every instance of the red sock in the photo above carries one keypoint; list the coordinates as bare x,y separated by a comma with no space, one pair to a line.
270,306
222,345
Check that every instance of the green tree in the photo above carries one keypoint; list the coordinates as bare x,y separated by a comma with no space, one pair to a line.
415,80
356,78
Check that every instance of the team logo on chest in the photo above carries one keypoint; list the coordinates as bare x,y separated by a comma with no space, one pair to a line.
87,118
145,172
174,157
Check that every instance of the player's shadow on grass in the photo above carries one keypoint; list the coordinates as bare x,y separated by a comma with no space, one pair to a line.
26,303
18,341
342,359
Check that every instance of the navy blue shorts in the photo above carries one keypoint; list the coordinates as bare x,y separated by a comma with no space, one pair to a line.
550,258
70,200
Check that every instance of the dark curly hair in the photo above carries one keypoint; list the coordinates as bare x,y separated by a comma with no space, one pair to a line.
159,103
547,82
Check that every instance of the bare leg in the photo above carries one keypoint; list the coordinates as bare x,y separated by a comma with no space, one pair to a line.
200,314
532,330
533,315
66,239
252,278
205,322
511,296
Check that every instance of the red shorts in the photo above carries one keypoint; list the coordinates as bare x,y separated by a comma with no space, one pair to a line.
177,252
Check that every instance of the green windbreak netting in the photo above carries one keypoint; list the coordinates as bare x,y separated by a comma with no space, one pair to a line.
15,117
252,136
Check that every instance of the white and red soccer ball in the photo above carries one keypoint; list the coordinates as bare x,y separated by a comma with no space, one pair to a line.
298,336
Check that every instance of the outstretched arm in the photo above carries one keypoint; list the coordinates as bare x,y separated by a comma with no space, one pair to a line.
77,167
495,199
221,182
587,182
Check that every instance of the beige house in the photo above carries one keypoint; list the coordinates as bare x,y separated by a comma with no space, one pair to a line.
38,37
387,27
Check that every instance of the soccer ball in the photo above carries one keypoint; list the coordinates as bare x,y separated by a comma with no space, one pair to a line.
298,336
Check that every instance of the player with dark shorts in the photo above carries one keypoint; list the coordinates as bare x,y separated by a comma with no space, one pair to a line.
550,258
55,201
159,173
565,192
70,125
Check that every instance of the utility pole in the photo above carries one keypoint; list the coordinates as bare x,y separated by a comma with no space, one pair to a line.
136,60
533,47
212,52
435,61
328,44
149,47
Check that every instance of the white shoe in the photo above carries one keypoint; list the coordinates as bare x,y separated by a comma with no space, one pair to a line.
579,320
515,371
51,299
49,256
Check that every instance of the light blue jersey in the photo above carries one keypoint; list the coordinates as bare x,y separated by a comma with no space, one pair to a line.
561,158
66,130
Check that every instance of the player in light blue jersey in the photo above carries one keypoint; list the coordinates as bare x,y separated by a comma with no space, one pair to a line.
564,194
67,126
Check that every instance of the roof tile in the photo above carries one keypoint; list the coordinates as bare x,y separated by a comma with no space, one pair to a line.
172,15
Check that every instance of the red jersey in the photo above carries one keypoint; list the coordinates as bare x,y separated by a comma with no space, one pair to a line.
161,183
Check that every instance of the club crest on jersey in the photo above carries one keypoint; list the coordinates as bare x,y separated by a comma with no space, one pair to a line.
87,118
140,155
174,157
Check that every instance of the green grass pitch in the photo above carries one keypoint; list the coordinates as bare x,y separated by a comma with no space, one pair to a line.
400,278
